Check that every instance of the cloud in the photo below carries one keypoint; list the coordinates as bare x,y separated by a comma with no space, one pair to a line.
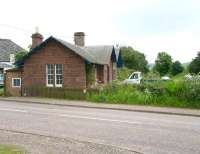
163,17
170,26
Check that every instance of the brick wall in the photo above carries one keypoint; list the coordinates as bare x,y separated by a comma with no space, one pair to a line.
9,90
53,53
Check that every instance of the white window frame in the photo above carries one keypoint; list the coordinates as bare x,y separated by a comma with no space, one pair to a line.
13,86
48,85
12,58
58,85
1,77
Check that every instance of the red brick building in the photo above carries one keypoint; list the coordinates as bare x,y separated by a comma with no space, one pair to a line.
57,63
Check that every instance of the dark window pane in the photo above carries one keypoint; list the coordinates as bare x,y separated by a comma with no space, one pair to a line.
16,82
58,74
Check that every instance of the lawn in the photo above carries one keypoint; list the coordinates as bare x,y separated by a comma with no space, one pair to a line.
8,149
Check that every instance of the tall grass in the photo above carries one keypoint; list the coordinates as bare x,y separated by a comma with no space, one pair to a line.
1,91
168,94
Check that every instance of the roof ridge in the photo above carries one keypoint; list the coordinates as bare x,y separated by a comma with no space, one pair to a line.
5,39
99,45
79,47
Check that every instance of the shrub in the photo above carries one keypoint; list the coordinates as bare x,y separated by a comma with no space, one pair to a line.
123,73
184,90
20,55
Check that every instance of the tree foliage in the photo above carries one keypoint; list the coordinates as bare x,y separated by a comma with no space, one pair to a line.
176,68
194,66
163,63
134,59
19,55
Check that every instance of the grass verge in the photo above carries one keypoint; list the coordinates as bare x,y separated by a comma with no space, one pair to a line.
1,91
8,149
171,94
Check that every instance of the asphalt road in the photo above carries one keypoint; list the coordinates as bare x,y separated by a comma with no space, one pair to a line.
57,129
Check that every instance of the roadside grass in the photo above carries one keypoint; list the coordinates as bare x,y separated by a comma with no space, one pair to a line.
165,94
1,91
9,149
179,77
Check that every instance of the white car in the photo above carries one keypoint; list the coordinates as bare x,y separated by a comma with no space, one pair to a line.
165,78
134,78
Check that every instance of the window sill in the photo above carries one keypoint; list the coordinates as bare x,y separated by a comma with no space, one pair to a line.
16,86
58,86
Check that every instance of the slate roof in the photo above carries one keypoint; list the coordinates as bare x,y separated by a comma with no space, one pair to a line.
102,54
5,65
92,54
8,47
79,50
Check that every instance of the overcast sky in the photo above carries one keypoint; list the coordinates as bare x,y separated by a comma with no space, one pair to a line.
150,26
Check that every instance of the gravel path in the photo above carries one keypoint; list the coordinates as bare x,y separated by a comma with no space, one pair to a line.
37,144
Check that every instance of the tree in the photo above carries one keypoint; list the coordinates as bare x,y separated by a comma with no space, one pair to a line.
163,63
133,59
176,68
19,55
194,66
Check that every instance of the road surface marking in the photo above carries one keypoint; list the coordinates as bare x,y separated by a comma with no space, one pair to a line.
13,110
100,119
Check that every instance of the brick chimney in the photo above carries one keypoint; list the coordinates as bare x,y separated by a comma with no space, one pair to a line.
37,38
79,38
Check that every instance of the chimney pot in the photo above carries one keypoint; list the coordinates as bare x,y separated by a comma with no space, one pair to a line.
37,38
79,38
